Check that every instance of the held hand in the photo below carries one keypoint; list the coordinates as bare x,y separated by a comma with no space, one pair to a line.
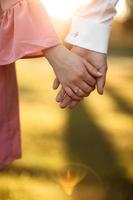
72,71
99,60
63,99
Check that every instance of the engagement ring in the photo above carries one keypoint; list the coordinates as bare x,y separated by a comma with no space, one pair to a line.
76,90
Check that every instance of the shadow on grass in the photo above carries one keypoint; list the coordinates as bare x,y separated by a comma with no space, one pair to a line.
87,143
30,171
122,104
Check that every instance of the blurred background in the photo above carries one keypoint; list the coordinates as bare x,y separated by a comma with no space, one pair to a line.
98,134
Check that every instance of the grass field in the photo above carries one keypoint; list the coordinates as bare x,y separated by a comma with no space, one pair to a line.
99,133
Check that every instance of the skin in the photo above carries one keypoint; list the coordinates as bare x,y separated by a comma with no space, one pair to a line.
72,71
99,62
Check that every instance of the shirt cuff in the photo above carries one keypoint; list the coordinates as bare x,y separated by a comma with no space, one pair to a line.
89,34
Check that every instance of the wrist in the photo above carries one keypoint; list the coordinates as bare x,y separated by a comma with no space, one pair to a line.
57,55
50,52
79,50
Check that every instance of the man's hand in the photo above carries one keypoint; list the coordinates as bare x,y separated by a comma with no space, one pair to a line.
72,70
97,60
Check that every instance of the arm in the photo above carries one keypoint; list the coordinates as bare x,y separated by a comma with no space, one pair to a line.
89,34
91,26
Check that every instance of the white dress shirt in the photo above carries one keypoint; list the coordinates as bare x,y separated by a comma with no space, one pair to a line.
91,25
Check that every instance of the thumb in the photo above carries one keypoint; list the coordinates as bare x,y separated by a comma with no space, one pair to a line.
56,84
92,70
101,84
102,80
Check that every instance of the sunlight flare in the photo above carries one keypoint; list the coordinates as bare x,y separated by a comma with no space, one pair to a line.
121,9
64,9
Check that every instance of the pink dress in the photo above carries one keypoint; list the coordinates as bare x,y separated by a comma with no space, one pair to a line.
25,28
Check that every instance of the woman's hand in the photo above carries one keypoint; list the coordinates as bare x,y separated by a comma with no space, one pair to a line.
75,74
99,61
65,100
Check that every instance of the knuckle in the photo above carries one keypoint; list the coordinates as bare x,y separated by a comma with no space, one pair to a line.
88,90
73,96
94,70
81,75
82,95
87,94
74,79
70,93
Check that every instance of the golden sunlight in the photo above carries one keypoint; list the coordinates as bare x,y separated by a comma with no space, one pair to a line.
63,9
121,9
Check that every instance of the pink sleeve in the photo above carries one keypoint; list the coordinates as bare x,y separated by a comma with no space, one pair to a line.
25,28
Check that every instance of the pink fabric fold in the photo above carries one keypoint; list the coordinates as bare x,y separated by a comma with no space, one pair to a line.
25,28
10,140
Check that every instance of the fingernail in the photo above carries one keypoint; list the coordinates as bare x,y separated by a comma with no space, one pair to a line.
99,73
62,106
58,99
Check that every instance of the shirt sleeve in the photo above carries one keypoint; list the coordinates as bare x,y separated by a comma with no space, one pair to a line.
91,25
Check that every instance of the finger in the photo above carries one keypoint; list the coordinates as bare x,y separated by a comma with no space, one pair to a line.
56,84
101,81
80,93
67,100
90,80
87,89
60,95
92,70
73,104
100,84
71,93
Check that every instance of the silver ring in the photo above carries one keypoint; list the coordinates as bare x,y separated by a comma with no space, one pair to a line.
76,90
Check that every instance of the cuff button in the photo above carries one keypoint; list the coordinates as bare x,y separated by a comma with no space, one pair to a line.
76,34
